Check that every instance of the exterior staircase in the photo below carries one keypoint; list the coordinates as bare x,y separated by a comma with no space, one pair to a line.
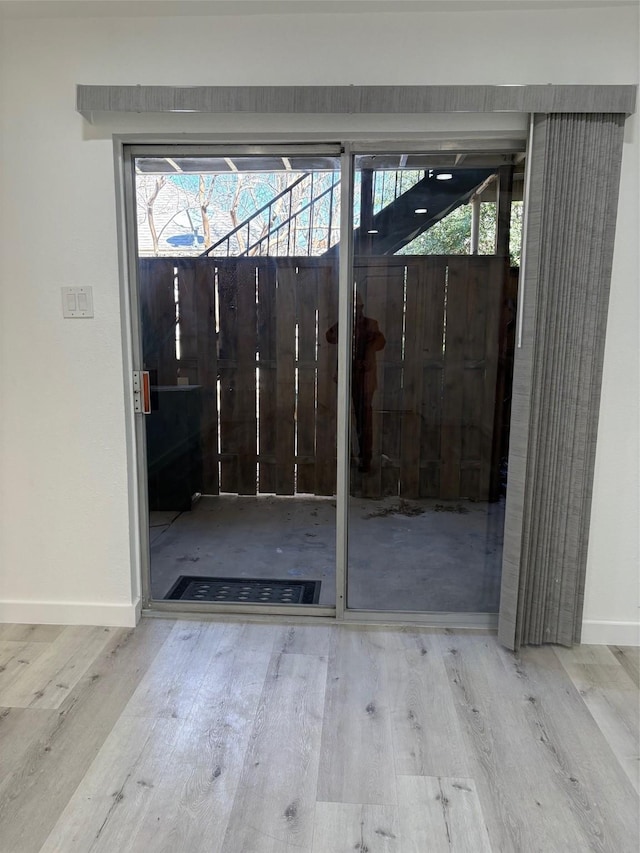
398,223
408,214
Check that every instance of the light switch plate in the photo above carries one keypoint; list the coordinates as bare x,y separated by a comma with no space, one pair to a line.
77,302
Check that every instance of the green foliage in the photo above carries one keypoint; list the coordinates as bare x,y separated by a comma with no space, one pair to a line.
452,235
515,243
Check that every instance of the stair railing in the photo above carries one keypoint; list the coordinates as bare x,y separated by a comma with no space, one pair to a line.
247,222
262,245
256,246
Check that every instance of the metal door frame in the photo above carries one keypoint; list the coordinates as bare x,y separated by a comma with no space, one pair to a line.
126,148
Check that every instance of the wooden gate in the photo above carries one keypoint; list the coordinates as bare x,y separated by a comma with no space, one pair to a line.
252,333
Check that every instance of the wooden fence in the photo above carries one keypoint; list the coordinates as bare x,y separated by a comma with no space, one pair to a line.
252,334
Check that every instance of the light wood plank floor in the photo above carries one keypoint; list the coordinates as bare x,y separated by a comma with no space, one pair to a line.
255,737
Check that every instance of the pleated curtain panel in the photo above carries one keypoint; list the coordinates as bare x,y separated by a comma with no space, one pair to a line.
575,173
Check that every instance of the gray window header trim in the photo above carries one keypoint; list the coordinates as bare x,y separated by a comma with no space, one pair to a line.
355,99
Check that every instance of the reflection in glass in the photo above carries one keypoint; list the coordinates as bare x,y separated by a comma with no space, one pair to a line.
367,340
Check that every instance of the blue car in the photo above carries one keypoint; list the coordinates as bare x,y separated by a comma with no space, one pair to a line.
185,240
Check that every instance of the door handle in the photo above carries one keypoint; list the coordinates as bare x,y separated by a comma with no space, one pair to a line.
141,392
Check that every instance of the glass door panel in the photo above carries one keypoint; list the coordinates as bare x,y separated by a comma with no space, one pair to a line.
432,326
237,277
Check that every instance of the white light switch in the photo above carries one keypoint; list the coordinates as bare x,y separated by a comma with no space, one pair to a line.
77,302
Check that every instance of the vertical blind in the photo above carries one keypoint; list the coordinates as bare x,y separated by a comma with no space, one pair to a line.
575,173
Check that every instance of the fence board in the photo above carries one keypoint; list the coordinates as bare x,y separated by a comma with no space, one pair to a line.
417,293
371,287
227,365
267,382
197,362
453,379
246,425
504,378
326,452
206,353
285,388
158,318
432,378
306,305
473,376
495,282
390,368
188,361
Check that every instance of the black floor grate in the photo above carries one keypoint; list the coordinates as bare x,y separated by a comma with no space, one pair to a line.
241,590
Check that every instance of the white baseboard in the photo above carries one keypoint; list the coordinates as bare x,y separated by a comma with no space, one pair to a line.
70,613
594,632
610,633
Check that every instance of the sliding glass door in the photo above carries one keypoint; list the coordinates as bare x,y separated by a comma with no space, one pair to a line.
237,267
433,303
330,381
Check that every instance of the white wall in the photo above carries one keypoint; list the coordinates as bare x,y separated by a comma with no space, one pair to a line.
613,573
64,514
